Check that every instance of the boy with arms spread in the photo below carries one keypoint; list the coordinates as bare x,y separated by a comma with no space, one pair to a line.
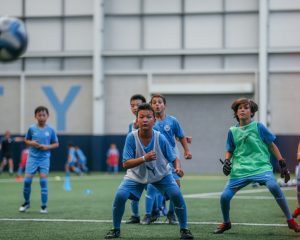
247,160
146,157
40,138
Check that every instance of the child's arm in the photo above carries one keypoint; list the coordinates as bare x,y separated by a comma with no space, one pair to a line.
131,163
187,153
49,147
284,170
275,151
178,169
32,143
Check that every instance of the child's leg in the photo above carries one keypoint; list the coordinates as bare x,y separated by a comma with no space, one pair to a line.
44,189
226,197
150,198
3,164
127,189
135,208
27,187
119,207
11,166
169,186
274,188
232,186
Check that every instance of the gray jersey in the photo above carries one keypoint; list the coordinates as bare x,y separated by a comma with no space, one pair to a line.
152,171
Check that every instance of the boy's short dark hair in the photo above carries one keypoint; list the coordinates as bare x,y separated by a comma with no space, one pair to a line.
158,96
41,109
138,97
145,106
235,105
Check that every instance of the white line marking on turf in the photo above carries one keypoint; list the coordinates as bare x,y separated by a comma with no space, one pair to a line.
237,196
110,221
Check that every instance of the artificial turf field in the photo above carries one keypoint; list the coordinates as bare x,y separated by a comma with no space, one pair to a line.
85,211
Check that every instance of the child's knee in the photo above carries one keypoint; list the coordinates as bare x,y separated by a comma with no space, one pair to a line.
226,196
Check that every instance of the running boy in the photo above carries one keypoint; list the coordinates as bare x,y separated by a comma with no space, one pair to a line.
170,127
40,138
135,101
146,157
296,212
247,160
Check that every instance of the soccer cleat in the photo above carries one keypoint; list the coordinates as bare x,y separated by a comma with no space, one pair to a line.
222,228
44,209
19,178
24,207
171,219
146,220
113,233
133,220
296,213
186,234
292,224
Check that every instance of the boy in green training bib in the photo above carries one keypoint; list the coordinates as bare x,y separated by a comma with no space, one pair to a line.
247,160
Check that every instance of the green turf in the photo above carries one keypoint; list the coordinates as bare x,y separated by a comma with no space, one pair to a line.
77,205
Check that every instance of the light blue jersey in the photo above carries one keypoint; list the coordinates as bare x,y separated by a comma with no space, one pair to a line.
170,128
39,160
129,151
45,136
80,155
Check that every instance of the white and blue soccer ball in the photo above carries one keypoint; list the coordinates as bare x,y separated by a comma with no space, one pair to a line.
13,38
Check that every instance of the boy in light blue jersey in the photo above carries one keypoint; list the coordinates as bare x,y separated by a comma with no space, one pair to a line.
247,160
71,164
81,159
135,101
172,130
40,138
146,156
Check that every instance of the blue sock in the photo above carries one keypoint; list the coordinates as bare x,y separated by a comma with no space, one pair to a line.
279,197
27,189
226,196
44,191
179,205
67,183
119,207
171,208
135,208
150,198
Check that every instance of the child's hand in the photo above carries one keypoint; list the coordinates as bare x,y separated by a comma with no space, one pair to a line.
179,172
35,144
188,155
43,147
226,166
150,156
285,173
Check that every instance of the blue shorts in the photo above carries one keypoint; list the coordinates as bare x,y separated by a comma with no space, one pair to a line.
260,178
34,165
136,189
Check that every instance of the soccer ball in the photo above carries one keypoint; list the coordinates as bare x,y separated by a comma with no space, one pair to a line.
13,38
